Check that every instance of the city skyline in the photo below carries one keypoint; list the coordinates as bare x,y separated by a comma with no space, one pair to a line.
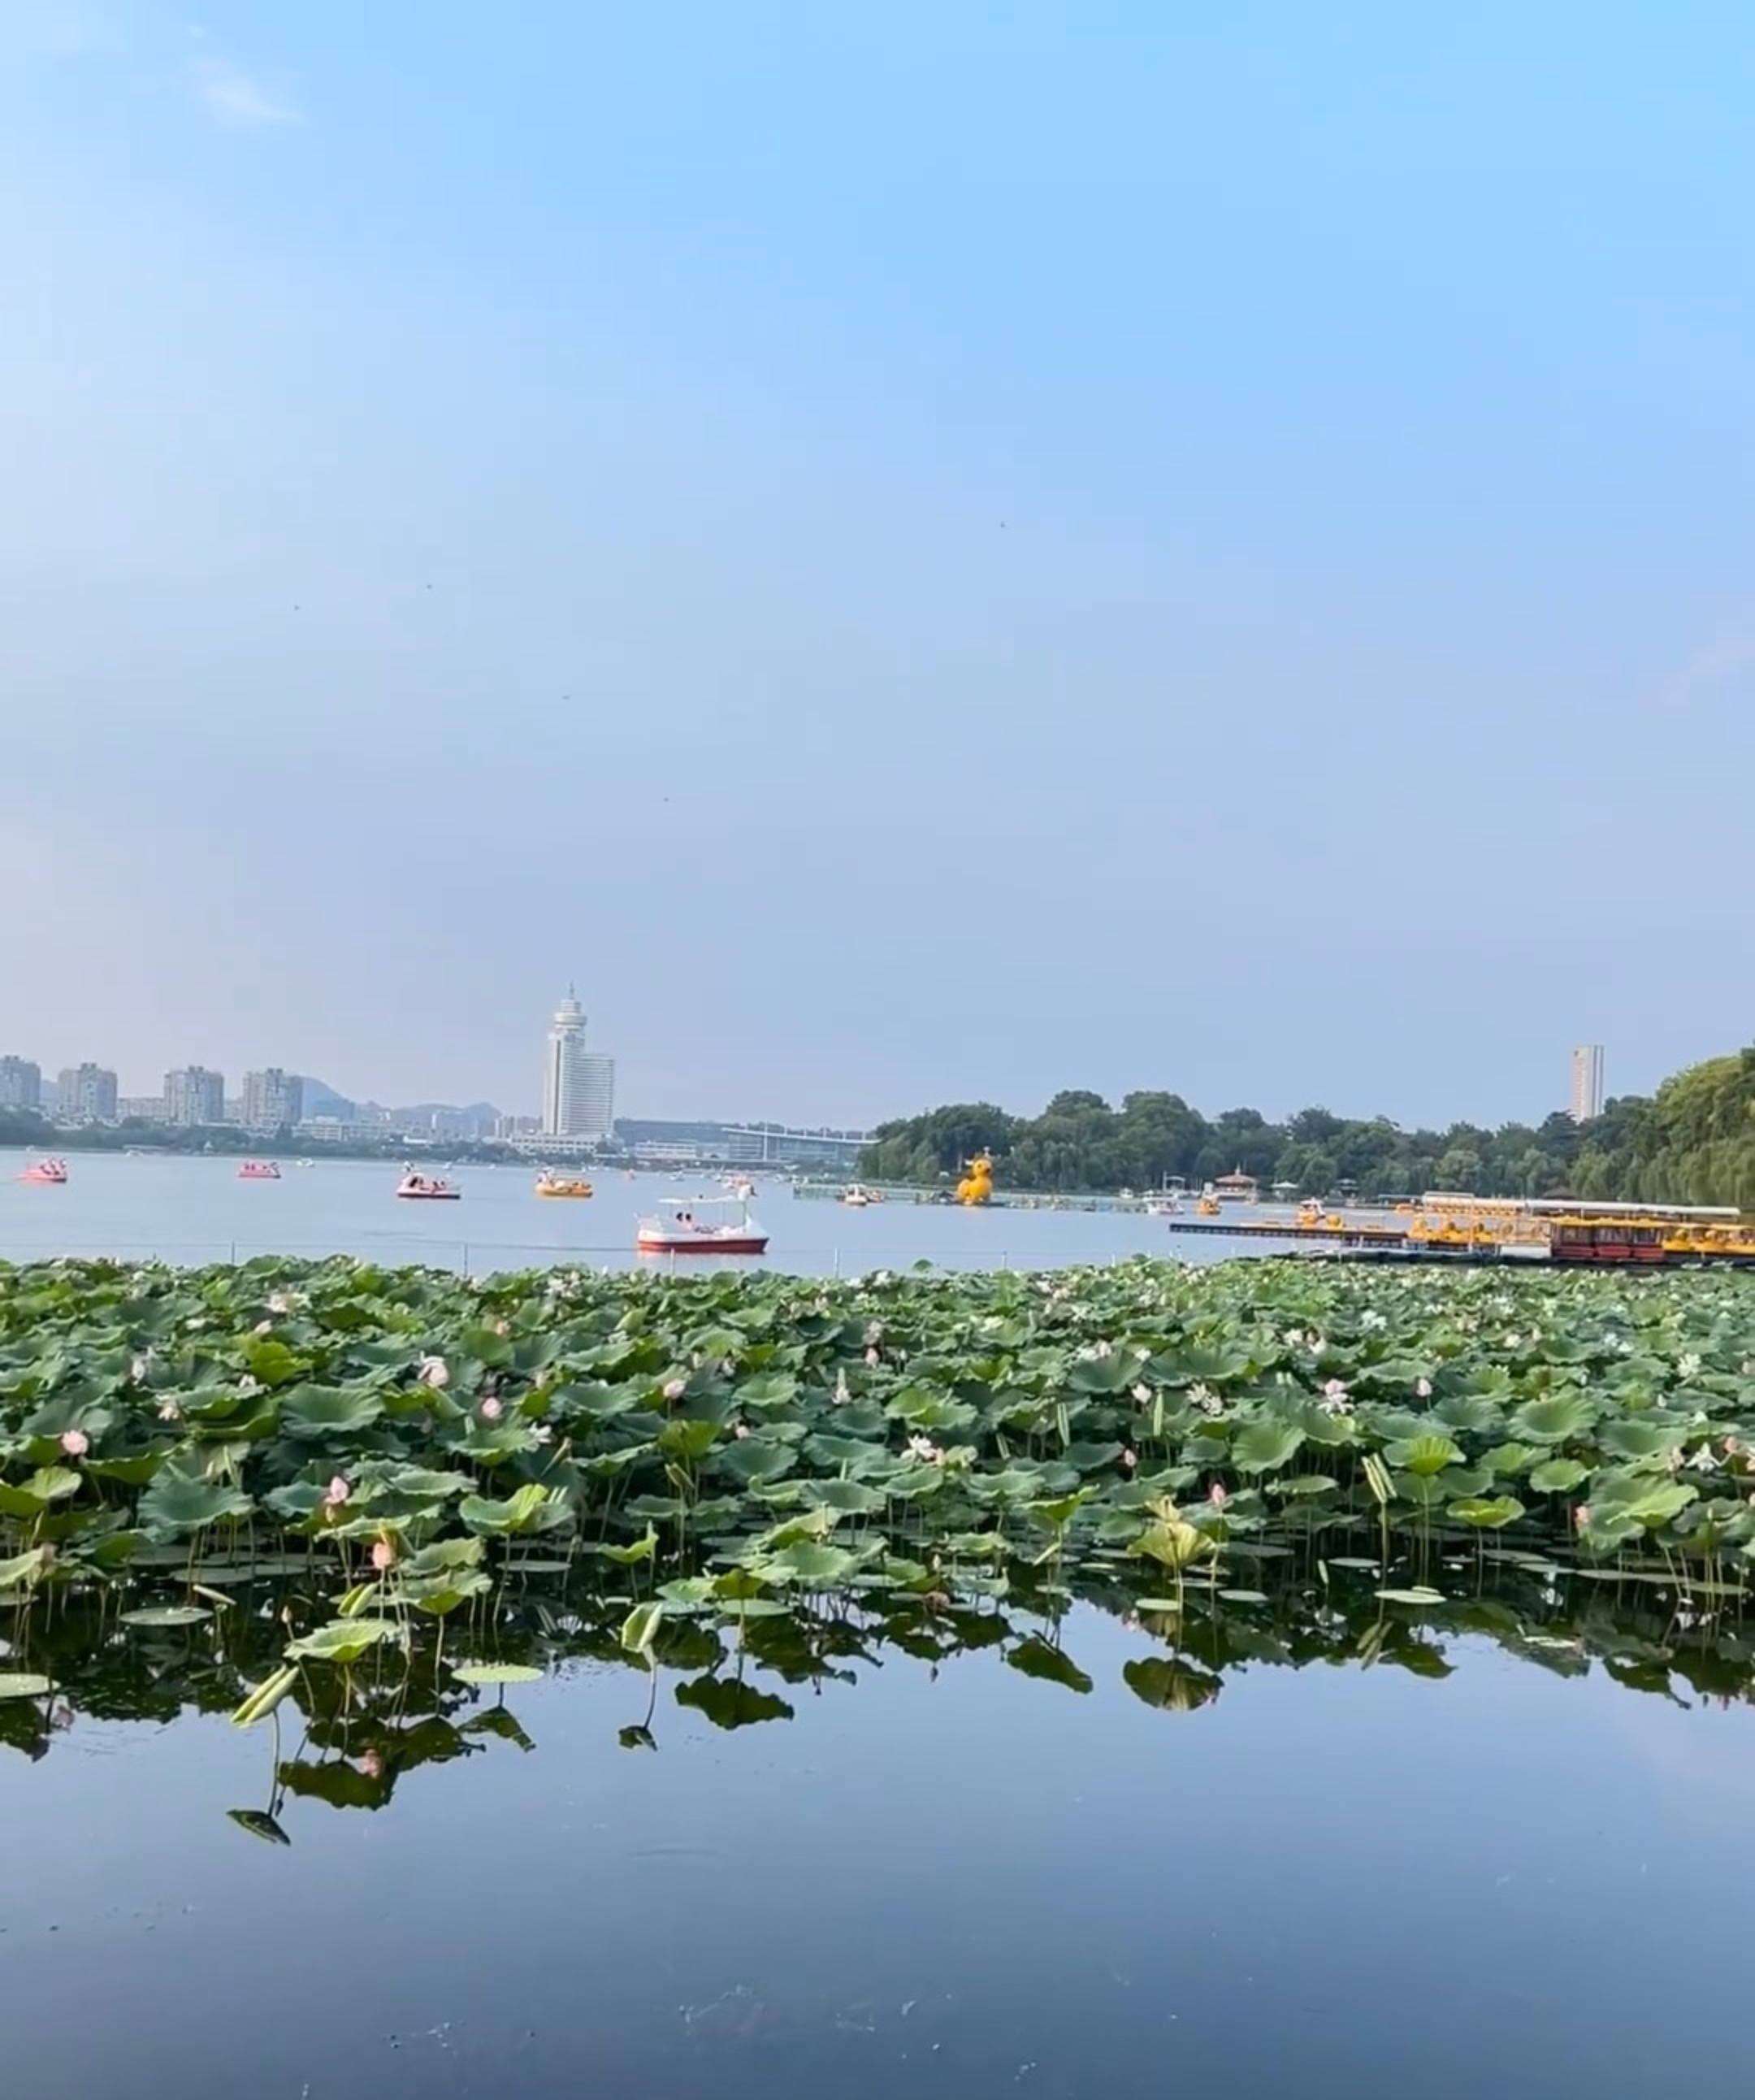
578,1089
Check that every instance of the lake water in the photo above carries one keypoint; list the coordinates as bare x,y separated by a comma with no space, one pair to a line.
196,1210
1049,1841
950,1853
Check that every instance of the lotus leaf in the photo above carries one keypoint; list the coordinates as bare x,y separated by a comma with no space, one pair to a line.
1423,1455
1484,1515
343,1640
532,1508
318,1410
640,1628
178,1502
809,1563
1263,1447
1554,1420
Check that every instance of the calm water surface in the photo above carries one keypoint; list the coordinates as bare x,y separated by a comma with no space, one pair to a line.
858,1869
197,1209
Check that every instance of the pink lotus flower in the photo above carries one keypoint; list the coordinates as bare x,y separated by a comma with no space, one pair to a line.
1423,1389
1143,1395
1731,1446
168,1411
75,1443
742,1429
1216,1495
491,1408
872,1357
1334,1389
383,1555
435,1372
675,1388
279,1303
371,1765
1130,1459
336,1492
1581,1515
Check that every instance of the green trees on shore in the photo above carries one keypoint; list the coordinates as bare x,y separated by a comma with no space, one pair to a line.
1694,1141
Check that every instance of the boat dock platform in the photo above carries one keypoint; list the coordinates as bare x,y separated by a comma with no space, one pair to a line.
1331,1235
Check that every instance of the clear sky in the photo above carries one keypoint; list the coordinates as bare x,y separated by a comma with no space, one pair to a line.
917,551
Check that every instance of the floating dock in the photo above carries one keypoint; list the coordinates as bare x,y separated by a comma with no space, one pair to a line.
1265,1228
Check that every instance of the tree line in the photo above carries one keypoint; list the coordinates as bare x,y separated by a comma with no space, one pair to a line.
1691,1142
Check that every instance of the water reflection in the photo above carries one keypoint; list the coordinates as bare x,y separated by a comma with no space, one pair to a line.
347,1738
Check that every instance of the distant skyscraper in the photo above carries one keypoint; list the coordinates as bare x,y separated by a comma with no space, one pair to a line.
85,1093
1587,1083
578,1085
271,1098
195,1097
594,1101
20,1084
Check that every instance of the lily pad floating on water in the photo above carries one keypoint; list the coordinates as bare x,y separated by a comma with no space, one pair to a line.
1414,1596
166,1615
496,1673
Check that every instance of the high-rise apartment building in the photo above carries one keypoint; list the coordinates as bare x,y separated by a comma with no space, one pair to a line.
1587,1083
270,1099
195,1097
20,1084
578,1084
594,1096
85,1093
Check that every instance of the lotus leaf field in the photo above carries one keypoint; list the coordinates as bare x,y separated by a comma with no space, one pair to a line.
730,1445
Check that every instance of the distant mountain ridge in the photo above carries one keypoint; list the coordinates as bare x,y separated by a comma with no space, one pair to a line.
320,1099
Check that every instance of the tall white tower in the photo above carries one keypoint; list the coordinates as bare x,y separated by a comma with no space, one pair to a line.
561,1073
1587,1083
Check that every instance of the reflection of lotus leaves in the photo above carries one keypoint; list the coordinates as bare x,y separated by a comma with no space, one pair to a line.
730,1703
1174,1686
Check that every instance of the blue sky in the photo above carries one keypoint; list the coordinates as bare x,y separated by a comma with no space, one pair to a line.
916,552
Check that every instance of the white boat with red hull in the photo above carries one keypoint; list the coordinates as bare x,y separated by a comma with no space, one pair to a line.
702,1225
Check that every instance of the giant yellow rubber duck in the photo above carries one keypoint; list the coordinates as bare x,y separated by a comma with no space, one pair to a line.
977,1186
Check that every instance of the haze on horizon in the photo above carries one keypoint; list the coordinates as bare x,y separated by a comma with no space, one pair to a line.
933,553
